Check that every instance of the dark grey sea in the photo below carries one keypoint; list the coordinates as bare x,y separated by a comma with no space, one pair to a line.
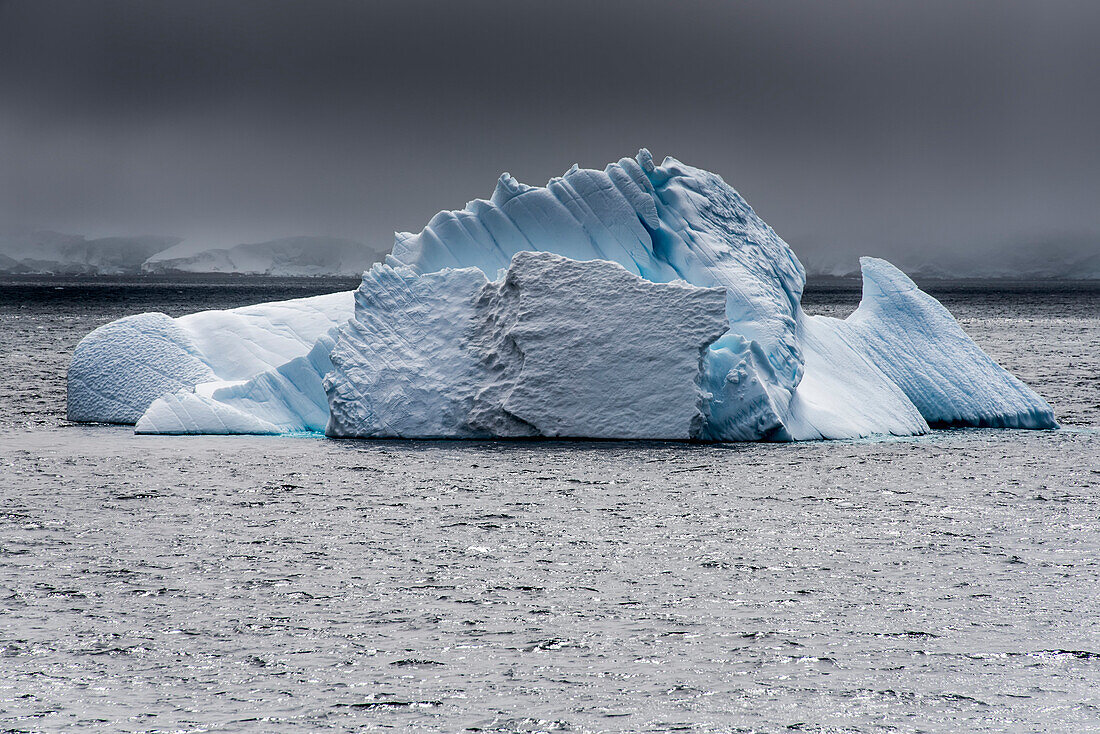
948,582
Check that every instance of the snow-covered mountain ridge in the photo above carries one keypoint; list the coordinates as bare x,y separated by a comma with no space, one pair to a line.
54,253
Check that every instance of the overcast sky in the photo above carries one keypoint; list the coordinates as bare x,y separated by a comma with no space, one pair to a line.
870,126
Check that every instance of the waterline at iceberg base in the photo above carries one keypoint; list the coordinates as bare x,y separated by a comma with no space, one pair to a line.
640,301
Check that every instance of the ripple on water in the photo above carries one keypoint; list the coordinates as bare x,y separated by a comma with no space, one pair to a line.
944,582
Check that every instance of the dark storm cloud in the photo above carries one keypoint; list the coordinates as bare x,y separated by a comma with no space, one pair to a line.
863,126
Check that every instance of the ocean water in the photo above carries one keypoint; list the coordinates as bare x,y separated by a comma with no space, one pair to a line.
942,583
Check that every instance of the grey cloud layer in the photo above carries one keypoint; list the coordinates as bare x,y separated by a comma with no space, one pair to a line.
852,127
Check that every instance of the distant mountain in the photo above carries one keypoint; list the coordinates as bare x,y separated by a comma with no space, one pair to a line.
287,256
54,253
10,265
1070,258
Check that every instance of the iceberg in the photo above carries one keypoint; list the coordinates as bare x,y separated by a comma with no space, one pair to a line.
401,366
587,349
641,301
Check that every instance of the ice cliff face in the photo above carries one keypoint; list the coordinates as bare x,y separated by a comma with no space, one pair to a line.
559,346
566,345
555,347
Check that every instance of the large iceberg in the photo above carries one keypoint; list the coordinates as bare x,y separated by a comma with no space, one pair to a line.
664,307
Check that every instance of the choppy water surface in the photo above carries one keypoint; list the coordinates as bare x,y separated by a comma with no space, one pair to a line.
943,583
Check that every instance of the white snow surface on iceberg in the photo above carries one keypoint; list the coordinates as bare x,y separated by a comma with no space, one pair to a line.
896,365
118,370
187,412
121,367
287,399
239,343
555,347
